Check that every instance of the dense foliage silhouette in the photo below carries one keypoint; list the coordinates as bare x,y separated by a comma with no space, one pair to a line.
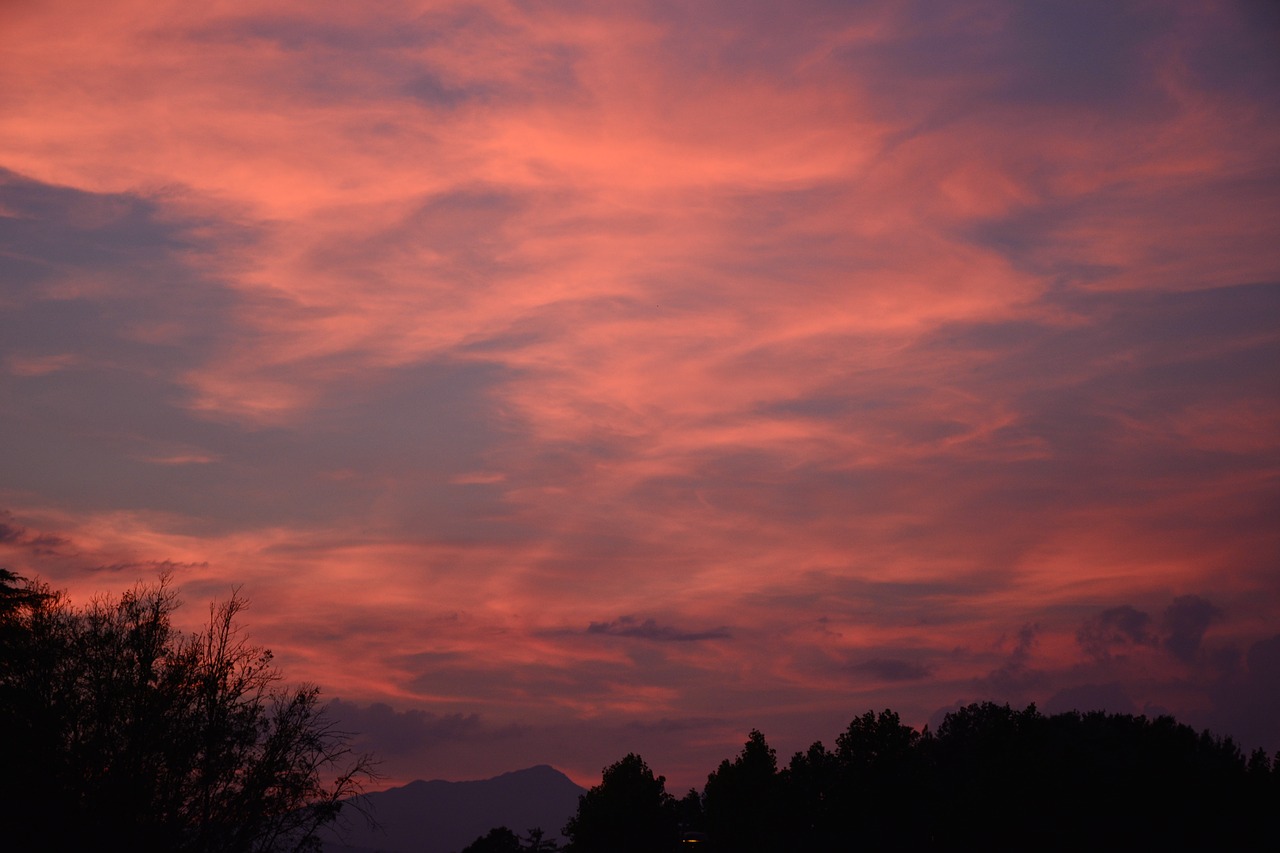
501,839
121,732
630,811
991,778
743,799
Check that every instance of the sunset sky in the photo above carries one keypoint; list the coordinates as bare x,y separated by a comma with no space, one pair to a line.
560,380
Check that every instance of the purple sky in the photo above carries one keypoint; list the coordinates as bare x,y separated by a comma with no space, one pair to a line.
561,380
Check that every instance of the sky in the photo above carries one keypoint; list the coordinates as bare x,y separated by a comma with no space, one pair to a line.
560,380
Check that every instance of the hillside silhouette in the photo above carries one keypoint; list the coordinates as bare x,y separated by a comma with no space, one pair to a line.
444,817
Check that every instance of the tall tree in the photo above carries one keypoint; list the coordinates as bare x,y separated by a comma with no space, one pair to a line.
744,802
881,785
630,811
136,733
809,786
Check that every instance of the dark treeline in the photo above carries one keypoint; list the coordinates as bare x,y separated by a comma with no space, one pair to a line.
995,778
990,778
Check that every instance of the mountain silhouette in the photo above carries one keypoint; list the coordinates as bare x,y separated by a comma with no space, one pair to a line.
444,817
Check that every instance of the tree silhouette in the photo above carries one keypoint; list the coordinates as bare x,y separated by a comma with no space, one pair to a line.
1103,780
500,839
122,729
16,596
868,790
744,799
630,811
992,778
536,843
809,788
690,813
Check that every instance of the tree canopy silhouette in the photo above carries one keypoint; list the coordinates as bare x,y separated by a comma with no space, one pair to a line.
119,729
743,799
501,839
991,778
630,811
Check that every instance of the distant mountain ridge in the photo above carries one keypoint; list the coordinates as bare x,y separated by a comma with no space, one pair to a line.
444,817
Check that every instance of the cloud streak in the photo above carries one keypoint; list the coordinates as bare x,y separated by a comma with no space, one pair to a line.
649,629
